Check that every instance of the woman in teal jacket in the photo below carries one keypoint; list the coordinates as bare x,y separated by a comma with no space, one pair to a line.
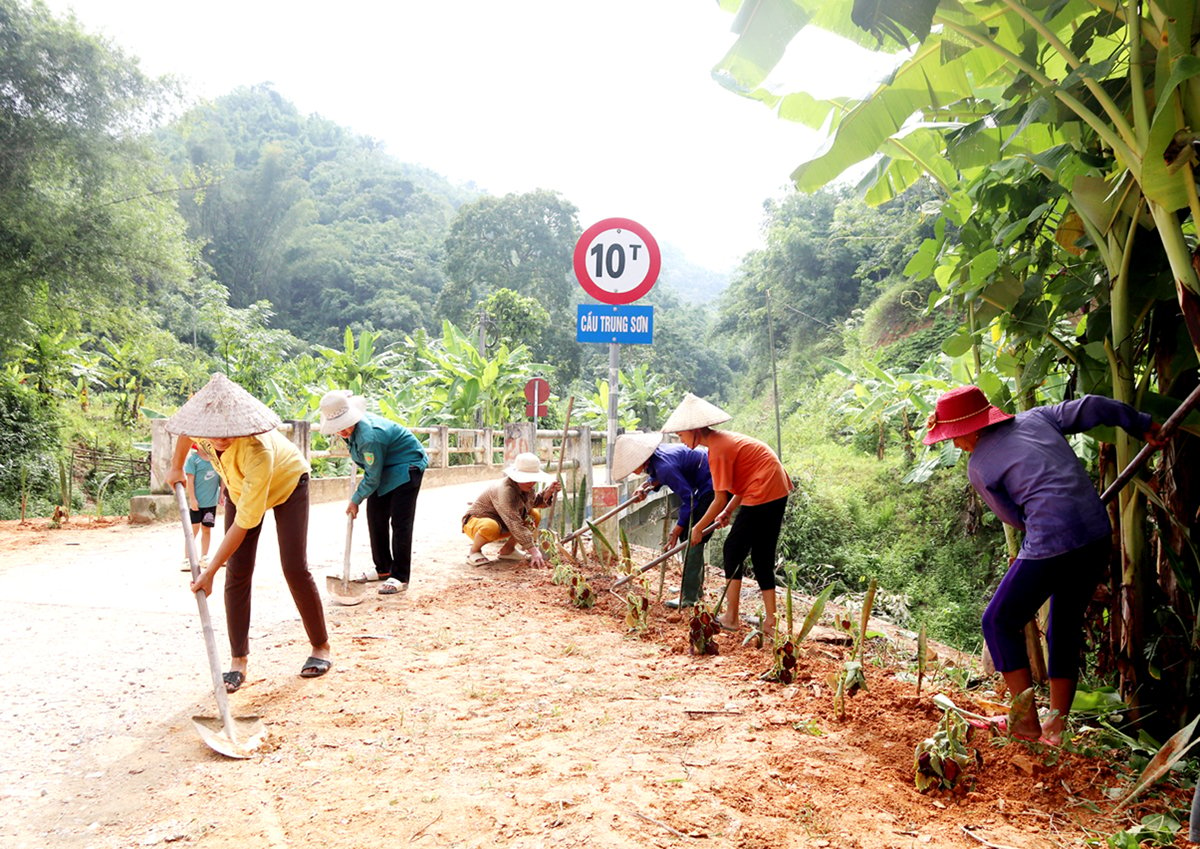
393,463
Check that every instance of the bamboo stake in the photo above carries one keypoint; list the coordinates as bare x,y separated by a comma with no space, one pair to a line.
562,449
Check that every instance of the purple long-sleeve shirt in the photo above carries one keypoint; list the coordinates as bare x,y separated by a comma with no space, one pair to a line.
685,471
1025,470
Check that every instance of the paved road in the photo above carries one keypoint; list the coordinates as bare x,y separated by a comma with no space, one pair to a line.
104,649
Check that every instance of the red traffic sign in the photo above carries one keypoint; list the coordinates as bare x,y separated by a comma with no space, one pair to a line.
537,391
617,261
535,412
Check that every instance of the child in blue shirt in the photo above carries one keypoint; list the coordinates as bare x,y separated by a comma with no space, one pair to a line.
203,497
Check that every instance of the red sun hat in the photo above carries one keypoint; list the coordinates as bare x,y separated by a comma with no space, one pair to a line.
959,412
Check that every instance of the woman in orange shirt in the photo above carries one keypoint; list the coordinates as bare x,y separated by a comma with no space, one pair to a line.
747,479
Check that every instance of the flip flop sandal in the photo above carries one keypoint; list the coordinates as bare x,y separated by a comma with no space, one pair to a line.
233,680
315,667
368,578
478,558
999,724
391,586
512,555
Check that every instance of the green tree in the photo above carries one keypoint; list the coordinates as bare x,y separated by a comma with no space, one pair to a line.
323,224
508,317
524,243
86,213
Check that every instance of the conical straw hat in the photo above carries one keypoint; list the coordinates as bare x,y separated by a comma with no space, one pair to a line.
222,409
694,412
631,450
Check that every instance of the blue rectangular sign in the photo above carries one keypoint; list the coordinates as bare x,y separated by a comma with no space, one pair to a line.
622,323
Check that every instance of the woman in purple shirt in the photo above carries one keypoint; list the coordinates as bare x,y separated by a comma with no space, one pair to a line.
685,472
1026,471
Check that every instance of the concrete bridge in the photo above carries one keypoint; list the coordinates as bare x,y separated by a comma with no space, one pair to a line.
461,456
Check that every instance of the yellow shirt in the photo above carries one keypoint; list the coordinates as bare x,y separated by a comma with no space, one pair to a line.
260,472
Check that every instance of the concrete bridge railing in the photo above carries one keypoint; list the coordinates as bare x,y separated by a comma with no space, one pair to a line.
456,455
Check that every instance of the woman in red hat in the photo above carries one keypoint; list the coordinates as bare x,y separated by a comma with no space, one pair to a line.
1026,471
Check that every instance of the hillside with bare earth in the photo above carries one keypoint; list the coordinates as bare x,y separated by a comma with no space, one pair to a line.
480,708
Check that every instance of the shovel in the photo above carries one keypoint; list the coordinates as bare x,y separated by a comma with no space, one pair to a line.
620,582
343,590
1142,456
234,737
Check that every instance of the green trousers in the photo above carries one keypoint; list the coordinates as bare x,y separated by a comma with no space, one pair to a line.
692,589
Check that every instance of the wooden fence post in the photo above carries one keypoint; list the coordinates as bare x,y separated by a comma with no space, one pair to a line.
300,433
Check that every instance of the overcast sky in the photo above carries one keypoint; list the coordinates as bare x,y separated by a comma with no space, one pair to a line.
609,103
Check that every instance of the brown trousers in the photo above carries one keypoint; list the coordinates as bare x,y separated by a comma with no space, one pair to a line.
291,527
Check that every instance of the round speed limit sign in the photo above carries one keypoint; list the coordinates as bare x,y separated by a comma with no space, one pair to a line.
617,261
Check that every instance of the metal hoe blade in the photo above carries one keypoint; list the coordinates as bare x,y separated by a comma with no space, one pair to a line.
343,590
247,735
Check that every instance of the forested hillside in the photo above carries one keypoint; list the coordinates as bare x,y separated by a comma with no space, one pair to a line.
295,256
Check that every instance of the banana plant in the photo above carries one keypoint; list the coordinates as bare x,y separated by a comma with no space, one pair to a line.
465,388
358,366
1108,90
1060,136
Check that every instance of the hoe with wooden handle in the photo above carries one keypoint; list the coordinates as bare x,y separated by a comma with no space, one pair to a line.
234,737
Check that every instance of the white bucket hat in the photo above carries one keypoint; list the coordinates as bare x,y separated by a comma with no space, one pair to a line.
340,409
631,450
527,467
693,413
222,410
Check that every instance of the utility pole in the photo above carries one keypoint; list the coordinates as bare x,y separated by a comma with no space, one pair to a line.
774,380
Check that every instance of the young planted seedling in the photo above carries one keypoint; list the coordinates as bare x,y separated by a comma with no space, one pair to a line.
637,612
582,594
702,630
784,668
562,574
814,613
940,761
852,677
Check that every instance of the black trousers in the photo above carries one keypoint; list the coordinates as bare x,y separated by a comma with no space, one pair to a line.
755,532
390,523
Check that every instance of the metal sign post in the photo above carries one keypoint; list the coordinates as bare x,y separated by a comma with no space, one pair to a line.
616,262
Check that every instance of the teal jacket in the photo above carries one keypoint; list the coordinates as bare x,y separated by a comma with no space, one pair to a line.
384,451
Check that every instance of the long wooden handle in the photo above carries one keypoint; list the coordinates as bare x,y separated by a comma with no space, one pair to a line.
349,534
210,639
346,555
600,519
620,582
1168,428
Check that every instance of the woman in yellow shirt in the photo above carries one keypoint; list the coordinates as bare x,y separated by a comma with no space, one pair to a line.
261,470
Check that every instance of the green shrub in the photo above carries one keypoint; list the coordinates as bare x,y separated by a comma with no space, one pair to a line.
29,450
